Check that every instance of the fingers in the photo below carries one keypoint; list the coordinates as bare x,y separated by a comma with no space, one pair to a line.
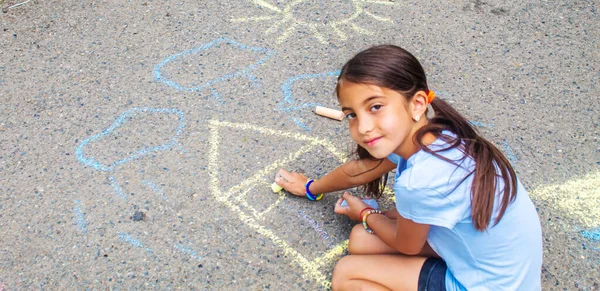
282,174
339,209
346,195
292,182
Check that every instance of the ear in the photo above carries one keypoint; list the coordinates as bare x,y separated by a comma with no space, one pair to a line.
418,105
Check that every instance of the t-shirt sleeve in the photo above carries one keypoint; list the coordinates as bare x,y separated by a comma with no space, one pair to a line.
428,206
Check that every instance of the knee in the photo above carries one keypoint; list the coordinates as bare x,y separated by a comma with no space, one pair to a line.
356,241
341,274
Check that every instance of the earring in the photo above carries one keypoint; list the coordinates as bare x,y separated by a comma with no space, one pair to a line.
417,118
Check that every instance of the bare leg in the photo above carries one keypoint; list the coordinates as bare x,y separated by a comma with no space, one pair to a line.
363,243
377,272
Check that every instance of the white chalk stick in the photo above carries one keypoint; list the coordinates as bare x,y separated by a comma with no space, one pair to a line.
331,113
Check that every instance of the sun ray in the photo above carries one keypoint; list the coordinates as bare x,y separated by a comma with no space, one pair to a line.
286,19
266,5
358,10
256,18
287,33
339,32
379,2
383,19
316,32
276,25
360,29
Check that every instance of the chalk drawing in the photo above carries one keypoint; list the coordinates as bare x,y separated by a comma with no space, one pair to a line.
481,124
133,241
578,198
79,217
592,234
244,72
156,189
117,187
120,121
510,155
286,22
290,105
188,251
315,225
252,218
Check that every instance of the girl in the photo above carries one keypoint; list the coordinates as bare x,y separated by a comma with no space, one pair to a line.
463,221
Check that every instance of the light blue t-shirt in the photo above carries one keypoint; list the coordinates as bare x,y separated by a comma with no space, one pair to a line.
506,256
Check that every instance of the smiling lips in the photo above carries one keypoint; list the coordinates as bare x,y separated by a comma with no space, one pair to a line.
372,142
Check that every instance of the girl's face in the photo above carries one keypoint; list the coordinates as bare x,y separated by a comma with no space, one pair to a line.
380,119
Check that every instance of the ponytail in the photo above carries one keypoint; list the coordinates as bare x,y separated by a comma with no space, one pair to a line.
490,163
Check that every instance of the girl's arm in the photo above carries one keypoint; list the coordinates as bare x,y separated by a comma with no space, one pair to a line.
404,235
398,232
351,174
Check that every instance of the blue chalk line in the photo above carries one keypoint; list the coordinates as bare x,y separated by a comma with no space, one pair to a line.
132,241
117,187
242,73
322,233
509,152
92,162
188,251
288,104
155,188
593,235
80,217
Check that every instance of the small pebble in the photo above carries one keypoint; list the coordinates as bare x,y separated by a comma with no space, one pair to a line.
137,216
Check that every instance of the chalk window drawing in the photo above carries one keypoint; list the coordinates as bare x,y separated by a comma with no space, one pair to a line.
298,15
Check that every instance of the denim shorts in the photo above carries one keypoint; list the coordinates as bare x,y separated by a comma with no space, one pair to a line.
433,275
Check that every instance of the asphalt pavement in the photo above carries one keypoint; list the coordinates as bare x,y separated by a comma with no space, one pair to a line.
139,139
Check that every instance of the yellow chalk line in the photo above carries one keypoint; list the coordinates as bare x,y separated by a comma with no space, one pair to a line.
335,252
325,143
309,268
387,2
287,15
379,18
255,18
270,169
279,200
579,198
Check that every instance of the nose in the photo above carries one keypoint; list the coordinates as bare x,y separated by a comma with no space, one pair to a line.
365,124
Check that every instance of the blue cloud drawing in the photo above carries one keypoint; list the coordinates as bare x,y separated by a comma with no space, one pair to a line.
244,72
121,120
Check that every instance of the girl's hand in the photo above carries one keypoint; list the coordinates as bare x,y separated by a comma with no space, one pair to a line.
292,182
355,206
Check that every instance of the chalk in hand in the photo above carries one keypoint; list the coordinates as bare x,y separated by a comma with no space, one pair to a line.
370,202
276,188
328,112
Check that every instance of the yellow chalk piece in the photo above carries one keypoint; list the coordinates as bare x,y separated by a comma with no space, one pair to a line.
276,188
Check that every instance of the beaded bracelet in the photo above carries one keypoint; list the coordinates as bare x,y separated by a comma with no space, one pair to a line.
311,196
364,219
361,212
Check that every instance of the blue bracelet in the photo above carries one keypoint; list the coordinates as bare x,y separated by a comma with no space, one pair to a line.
309,195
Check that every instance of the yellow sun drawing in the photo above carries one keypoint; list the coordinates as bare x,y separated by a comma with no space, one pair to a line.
289,19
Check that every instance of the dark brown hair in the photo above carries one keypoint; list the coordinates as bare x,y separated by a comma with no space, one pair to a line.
392,67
